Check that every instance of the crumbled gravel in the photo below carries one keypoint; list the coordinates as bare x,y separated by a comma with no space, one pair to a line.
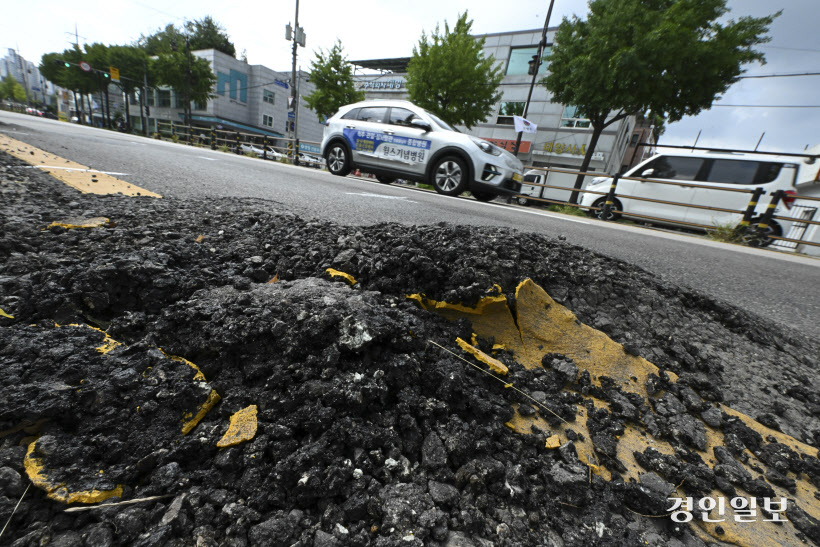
368,434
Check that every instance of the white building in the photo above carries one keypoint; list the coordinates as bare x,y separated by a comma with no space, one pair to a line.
247,99
27,75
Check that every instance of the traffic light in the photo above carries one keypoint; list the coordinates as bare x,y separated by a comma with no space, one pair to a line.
534,64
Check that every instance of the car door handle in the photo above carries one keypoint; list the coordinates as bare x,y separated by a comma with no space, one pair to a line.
388,132
350,126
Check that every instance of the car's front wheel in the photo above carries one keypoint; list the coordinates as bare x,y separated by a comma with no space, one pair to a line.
449,176
338,160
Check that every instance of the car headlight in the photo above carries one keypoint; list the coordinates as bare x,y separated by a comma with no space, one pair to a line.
486,146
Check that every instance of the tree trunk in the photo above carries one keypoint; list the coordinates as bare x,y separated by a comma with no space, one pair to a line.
597,129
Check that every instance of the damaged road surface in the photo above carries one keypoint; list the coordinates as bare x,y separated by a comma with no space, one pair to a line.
217,372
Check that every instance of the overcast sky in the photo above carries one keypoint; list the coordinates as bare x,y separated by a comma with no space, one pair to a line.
388,28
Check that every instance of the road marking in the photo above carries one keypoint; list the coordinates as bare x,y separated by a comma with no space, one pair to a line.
138,143
76,169
73,174
368,195
209,159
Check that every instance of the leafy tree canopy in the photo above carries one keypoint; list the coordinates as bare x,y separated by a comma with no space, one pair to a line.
449,75
132,63
189,76
332,77
202,33
670,57
11,89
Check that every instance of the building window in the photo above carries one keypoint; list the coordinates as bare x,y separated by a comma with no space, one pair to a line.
572,117
200,106
149,98
520,58
635,137
508,110
268,96
164,98
178,102
267,120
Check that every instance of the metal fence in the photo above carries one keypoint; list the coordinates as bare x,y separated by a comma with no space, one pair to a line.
251,144
753,231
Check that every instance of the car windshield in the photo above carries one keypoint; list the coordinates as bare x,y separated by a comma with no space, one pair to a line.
441,123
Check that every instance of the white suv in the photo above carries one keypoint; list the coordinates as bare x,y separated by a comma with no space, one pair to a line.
705,179
397,139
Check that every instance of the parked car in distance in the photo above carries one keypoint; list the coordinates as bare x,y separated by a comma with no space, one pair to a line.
310,161
259,151
397,139
709,180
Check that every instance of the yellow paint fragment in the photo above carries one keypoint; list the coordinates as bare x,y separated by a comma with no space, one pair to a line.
69,224
242,428
200,239
274,280
198,377
553,442
495,365
544,326
79,177
4,314
203,409
336,273
59,492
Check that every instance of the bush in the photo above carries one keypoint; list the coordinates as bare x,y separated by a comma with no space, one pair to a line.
727,233
224,148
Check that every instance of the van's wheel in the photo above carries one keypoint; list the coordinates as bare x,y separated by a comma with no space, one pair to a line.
753,237
523,201
483,196
338,159
449,176
614,210
385,180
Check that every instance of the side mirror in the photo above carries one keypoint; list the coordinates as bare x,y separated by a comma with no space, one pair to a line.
648,173
418,123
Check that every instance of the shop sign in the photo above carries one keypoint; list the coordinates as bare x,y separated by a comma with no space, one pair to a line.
509,144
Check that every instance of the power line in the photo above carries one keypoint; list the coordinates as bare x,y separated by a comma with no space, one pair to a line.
779,75
770,105
792,48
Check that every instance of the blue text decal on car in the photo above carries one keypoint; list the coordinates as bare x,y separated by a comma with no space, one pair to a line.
369,141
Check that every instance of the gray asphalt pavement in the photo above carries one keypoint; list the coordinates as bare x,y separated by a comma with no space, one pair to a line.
776,285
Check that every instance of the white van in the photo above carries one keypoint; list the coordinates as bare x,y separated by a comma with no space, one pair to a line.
531,188
705,176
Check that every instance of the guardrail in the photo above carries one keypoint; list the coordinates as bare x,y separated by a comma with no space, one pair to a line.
751,231
262,146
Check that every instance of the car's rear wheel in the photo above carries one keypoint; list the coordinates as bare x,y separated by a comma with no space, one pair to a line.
753,237
614,210
523,201
338,159
449,176
483,196
384,179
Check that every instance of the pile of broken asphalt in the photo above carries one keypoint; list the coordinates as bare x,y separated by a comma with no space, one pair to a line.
129,349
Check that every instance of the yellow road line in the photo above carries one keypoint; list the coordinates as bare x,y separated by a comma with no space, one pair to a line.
77,176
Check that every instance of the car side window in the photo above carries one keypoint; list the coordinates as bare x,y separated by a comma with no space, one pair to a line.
372,114
676,168
401,116
352,114
733,171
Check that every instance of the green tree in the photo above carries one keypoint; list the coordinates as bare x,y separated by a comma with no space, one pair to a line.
206,33
189,76
671,57
10,88
133,64
332,77
202,33
449,75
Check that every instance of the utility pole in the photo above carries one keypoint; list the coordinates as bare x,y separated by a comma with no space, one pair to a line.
535,64
297,33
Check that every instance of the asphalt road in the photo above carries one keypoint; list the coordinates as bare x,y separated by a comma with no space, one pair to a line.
780,286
